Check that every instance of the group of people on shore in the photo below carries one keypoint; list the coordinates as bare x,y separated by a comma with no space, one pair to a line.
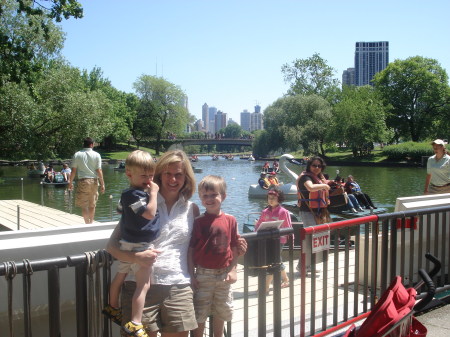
177,266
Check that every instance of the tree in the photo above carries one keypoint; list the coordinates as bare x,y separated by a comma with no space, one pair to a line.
28,37
359,120
161,108
311,76
299,121
417,91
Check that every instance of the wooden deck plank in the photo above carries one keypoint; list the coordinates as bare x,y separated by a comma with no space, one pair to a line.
34,216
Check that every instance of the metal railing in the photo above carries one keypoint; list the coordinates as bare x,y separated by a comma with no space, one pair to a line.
359,259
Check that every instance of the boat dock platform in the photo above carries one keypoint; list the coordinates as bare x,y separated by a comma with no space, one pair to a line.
21,214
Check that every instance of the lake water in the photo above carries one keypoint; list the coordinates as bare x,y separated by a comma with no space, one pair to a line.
383,184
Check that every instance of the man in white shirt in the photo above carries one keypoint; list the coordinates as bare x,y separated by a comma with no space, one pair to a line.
87,165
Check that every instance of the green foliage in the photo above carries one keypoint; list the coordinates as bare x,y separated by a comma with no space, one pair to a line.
409,151
359,120
311,76
160,110
298,121
417,92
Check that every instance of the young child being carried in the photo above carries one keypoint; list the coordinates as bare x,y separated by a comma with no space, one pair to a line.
212,257
139,226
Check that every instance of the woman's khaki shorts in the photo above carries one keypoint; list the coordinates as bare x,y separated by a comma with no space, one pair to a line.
87,193
168,308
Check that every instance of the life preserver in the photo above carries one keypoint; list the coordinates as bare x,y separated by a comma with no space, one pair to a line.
317,199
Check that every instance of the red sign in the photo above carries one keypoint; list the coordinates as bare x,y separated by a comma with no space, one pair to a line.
320,242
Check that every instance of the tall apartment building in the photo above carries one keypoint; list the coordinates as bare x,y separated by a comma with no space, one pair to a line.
205,118
220,120
370,58
212,111
256,119
245,120
348,77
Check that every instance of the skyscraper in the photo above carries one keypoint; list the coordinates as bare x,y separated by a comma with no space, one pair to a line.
348,77
245,120
370,58
211,119
205,116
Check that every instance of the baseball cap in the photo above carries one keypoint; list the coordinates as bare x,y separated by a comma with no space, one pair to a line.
438,142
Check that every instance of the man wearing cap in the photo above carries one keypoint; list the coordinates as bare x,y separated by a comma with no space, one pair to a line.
438,170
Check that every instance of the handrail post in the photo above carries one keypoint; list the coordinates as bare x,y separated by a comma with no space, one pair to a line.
21,180
18,217
111,206
42,194
70,201
54,294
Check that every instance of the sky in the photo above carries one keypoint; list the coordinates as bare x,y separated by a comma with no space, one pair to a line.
229,54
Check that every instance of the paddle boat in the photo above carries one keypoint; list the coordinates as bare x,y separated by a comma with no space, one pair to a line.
38,172
251,158
58,181
289,189
194,158
121,167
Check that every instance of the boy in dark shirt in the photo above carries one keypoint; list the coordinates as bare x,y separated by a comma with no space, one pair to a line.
139,226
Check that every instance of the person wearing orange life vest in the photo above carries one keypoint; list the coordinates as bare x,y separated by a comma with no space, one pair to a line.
273,180
313,200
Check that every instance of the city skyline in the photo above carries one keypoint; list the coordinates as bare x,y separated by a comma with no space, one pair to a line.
230,54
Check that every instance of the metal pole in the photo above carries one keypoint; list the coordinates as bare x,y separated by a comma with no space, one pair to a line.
18,217
21,179
111,206
70,201
42,194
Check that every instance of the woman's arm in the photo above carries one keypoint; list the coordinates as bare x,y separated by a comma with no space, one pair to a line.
316,187
145,258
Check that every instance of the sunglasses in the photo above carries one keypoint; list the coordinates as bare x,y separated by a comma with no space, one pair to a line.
316,166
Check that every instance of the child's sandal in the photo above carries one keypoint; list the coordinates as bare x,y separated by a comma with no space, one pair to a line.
113,313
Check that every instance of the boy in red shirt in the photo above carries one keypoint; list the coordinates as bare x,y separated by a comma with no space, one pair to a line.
212,257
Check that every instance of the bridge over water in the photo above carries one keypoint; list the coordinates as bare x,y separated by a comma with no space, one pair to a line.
222,141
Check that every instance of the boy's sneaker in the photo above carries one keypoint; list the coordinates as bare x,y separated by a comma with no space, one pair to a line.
136,330
115,314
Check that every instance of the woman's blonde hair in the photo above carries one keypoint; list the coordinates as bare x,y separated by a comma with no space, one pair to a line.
140,159
172,157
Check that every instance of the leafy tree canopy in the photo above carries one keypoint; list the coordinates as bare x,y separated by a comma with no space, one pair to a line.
418,94
311,76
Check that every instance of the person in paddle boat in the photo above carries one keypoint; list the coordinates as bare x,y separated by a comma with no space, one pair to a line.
66,172
273,212
273,180
263,181
266,167
352,203
275,166
49,174
313,200
438,170
352,187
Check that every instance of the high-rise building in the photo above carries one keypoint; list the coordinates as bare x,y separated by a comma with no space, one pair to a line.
370,58
245,120
348,77
205,118
220,120
212,110
256,121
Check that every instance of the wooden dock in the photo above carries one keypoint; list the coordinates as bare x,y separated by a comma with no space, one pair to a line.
33,216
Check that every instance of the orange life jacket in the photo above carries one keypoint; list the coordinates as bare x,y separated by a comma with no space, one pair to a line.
317,199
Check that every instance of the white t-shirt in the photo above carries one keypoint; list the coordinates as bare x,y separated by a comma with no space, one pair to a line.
87,161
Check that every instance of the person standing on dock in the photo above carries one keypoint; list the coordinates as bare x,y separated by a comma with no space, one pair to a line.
87,166
438,170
